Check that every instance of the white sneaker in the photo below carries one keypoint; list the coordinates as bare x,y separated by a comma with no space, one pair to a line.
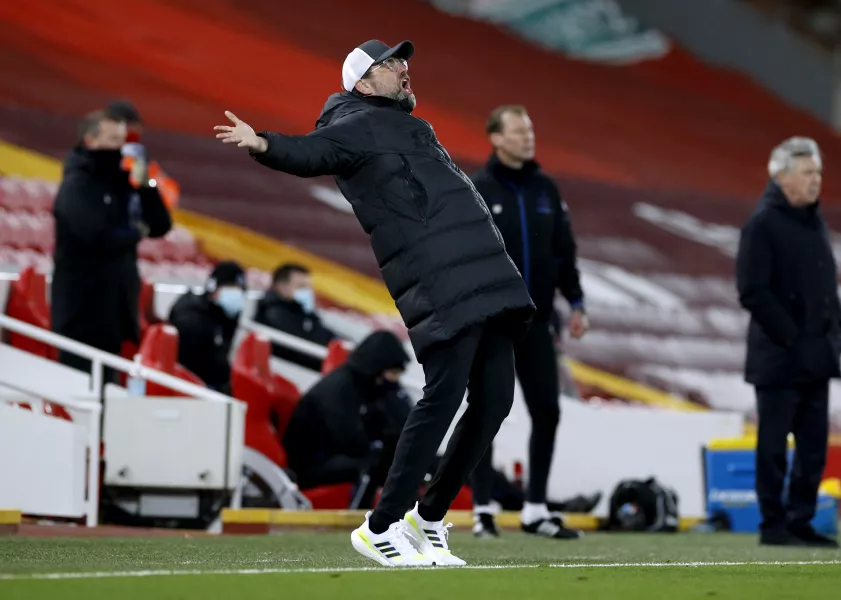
393,548
432,539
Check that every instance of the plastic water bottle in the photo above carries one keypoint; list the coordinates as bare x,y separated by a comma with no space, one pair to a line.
136,386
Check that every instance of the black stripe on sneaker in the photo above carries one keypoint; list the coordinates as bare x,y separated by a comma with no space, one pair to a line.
391,554
437,544
382,544
388,548
430,532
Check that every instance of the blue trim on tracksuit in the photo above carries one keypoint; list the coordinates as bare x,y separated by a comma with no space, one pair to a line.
524,232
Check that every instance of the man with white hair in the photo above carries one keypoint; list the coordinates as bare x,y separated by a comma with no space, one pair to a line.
786,278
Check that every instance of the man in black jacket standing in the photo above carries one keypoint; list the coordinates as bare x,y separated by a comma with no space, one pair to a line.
289,306
534,223
444,263
100,217
786,278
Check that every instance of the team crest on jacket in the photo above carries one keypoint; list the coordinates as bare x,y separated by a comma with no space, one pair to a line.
544,205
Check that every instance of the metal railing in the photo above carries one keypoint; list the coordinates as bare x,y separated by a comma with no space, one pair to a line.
100,360
310,348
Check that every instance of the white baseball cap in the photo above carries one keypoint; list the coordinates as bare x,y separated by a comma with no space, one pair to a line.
367,55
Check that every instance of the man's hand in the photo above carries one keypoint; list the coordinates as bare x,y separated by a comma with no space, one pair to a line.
578,324
139,174
240,134
142,229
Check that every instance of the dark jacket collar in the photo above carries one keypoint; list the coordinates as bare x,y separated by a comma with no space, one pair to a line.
271,299
380,101
101,163
343,103
776,199
505,173
203,304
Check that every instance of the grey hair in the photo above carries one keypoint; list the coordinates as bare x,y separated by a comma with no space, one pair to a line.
783,156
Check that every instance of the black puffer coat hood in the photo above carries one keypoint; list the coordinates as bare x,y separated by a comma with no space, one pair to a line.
378,352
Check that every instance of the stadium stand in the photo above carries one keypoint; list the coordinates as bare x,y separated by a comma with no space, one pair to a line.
659,161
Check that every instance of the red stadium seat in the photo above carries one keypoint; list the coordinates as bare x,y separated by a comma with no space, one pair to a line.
330,497
146,308
159,351
28,303
337,353
270,398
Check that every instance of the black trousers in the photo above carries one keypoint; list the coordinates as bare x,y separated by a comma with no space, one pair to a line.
537,370
804,411
480,360
344,469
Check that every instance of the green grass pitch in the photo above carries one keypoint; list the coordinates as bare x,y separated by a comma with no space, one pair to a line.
323,565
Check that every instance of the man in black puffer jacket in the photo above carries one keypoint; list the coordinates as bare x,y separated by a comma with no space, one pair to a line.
444,263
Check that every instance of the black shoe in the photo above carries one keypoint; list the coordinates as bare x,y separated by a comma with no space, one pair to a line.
779,537
484,526
813,539
551,528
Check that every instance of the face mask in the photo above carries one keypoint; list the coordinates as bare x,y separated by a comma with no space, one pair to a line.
231,300
107,160
306,298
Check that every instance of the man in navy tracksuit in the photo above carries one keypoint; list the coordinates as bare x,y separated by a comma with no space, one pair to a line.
534,224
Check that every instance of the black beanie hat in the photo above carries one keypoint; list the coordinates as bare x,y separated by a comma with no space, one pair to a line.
226,273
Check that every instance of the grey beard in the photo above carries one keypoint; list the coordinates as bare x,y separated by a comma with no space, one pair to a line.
407,101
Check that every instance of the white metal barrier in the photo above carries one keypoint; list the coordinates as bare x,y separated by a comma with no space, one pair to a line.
100,360
78,392
31,468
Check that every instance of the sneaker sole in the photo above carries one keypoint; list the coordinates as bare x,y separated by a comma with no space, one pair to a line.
362,547
430,551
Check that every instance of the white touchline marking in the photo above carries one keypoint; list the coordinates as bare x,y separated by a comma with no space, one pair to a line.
724,563
166,573
170,573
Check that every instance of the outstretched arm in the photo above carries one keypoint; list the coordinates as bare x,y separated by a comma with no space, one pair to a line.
330,150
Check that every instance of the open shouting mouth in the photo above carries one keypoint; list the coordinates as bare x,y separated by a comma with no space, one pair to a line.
406,86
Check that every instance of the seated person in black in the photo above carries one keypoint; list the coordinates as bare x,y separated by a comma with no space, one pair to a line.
289,306
348,423
206,324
